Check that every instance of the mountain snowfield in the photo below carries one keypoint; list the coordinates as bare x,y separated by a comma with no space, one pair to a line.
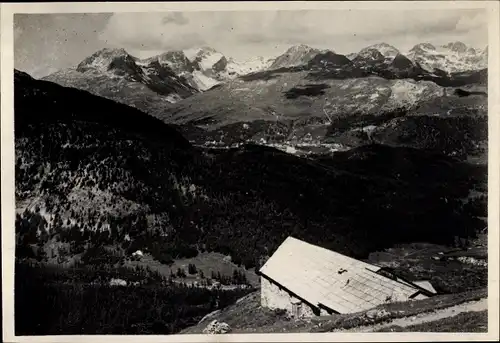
251,65
212,67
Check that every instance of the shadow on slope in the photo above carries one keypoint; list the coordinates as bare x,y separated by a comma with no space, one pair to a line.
73,105
306,90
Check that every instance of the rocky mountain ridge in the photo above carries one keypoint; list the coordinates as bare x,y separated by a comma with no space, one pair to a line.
205,67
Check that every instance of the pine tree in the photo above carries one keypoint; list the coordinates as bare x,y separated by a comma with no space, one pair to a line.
181,272
192,269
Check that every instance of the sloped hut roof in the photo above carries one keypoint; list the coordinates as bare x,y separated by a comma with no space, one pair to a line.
330,280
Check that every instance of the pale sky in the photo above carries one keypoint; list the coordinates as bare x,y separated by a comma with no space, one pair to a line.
45,43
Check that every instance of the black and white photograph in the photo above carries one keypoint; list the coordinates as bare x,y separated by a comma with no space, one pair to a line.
249,171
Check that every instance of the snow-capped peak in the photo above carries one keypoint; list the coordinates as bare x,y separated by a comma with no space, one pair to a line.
372,52
385,49
206,57
294,56
175,60
104,58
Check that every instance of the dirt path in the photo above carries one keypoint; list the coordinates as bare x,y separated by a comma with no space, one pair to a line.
472,306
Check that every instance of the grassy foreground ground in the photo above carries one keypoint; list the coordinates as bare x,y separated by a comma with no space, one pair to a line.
463,322
246,316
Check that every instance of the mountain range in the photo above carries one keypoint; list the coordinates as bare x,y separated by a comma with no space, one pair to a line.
205,67
296,96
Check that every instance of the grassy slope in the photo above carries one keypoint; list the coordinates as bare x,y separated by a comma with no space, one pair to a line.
247,316
463,322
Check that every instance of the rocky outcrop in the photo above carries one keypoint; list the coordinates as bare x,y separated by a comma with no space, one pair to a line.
117,282
215,327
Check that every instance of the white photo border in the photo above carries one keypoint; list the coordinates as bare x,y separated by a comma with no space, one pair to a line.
7,11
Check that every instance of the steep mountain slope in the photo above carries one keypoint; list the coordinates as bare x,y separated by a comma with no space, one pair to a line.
88,163
329,59
209,60
401,63
178,63
116,75
197,71
210,67
370,55
91,172
176,60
